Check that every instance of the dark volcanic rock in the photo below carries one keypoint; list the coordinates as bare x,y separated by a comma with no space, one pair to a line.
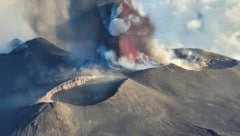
40,51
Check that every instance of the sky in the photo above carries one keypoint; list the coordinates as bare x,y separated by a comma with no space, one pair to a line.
12,24
213,25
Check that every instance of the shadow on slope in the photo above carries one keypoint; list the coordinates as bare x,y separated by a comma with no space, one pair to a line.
93,92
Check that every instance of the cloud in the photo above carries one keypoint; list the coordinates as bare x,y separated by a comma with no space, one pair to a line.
216,24
194,25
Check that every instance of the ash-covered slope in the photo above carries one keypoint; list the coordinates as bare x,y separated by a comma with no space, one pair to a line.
45,119
162,101
27,72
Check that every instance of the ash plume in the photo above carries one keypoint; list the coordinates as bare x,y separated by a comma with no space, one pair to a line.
84,28
127,31
135,32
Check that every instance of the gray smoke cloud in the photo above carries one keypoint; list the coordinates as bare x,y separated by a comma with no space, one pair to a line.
73,25
43,16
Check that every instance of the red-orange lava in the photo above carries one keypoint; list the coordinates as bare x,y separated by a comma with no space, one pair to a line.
127,49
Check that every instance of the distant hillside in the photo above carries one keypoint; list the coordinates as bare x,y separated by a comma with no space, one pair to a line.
206,60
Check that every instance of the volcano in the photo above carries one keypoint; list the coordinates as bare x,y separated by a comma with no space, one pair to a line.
167,100
113,78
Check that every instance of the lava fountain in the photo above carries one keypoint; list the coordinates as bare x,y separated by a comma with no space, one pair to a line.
132,30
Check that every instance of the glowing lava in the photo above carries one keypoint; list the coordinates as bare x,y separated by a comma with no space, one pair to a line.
126,48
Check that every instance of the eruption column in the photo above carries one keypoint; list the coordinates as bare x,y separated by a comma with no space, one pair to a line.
137,32
126,43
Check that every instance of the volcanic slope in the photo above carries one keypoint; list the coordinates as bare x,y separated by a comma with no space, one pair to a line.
162,101
27,72
204,59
